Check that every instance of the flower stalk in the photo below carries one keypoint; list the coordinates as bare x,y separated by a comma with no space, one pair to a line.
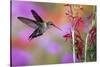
73,45
85,54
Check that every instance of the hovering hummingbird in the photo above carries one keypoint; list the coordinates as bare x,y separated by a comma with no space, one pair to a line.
38,24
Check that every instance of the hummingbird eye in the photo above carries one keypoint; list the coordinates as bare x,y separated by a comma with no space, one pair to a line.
51,24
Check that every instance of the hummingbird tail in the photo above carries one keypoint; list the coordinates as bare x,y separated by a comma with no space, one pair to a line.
32,36
30,39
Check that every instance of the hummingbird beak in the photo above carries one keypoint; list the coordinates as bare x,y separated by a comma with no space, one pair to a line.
56,27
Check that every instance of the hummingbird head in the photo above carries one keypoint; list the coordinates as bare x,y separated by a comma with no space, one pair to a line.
50,24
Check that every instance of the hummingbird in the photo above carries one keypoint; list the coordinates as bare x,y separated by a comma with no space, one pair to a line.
38,24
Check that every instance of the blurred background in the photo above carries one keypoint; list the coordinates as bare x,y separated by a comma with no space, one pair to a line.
51,47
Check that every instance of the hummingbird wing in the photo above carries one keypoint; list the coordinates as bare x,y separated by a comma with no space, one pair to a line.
36,16
31,23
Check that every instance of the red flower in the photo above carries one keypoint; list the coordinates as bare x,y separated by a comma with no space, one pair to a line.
67,36
70,16
79,46
78,43
78,23
90,16
92,36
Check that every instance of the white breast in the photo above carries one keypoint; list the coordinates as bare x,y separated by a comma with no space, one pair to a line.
44,27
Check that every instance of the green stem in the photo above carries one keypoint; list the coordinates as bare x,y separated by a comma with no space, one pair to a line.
73,46
85,54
